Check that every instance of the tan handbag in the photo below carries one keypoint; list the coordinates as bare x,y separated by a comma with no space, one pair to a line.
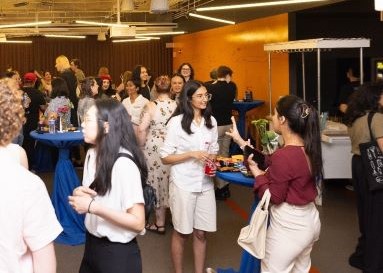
253,236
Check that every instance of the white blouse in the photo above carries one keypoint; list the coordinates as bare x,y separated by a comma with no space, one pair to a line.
126,191
135,109
189,175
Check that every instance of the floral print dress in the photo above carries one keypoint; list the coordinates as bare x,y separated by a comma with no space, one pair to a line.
158,173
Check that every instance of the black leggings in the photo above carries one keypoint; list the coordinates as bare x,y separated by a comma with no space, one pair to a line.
104,256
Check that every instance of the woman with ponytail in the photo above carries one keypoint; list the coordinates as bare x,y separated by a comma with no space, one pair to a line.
291,178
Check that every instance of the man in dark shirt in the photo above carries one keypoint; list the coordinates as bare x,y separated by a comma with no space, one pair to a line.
32,113
223,94
348,89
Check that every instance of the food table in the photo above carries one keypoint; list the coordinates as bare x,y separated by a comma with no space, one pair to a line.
65,180
249,264
243,107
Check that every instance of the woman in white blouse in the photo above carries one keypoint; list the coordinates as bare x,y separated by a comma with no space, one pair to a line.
111,195
135,103
191,140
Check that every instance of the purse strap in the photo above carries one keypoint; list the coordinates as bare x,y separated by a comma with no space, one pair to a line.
369,120
265,201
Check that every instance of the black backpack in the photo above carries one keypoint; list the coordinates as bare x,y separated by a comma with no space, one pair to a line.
148,191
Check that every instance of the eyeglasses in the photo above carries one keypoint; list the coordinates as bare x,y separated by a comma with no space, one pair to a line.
186,69
206,96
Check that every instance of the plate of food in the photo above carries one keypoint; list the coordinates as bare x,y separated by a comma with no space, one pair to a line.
72,129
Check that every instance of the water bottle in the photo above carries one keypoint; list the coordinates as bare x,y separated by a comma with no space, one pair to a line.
246,95
52,126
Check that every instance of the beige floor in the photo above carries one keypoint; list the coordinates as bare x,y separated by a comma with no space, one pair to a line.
338,236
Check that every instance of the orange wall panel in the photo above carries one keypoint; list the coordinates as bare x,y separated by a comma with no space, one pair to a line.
240,47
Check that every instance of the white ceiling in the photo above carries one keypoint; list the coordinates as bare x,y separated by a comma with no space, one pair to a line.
64,13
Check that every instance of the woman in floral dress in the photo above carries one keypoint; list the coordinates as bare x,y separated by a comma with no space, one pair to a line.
151,136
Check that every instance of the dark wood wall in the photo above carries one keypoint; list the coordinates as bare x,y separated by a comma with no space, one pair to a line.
118,57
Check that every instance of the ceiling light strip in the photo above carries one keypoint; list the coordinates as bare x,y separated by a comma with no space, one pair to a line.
15,42
261,4
131,40
160,33
211,18
30,24
65,36
100,24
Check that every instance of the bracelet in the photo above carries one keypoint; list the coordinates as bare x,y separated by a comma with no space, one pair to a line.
90,203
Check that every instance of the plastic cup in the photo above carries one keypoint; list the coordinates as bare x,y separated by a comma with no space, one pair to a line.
52,126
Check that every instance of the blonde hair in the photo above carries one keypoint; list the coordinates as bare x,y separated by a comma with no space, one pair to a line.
62,63
11,111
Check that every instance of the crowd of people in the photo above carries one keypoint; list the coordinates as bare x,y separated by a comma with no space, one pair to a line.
140,120
163,134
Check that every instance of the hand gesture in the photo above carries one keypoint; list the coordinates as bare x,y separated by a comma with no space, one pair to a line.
233,132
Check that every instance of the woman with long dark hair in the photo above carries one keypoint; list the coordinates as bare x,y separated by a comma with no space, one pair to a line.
368,253
191,140
291,178
88,92
60,104
140,74
111,195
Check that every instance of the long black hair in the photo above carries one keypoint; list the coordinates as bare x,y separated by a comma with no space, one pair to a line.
364,100
185,107
108,144
86,87
303,119
136,74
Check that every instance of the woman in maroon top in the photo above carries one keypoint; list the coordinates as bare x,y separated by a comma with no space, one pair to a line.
291,179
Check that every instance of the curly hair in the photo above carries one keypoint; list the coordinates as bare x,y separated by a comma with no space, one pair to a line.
11,111
363,100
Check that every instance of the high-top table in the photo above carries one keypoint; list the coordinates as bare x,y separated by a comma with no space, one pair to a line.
65,180
243,107
249,264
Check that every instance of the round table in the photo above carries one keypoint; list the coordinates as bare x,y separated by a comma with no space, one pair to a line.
248,264
242,107
65,180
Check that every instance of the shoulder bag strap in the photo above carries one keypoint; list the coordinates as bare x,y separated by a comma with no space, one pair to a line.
132,159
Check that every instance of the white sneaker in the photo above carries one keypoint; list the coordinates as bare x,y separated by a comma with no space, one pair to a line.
210,270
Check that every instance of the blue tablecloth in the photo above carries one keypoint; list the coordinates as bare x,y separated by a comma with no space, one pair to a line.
242,107
65,180
249,264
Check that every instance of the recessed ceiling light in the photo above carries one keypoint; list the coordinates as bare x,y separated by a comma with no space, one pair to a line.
259,4
211,18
